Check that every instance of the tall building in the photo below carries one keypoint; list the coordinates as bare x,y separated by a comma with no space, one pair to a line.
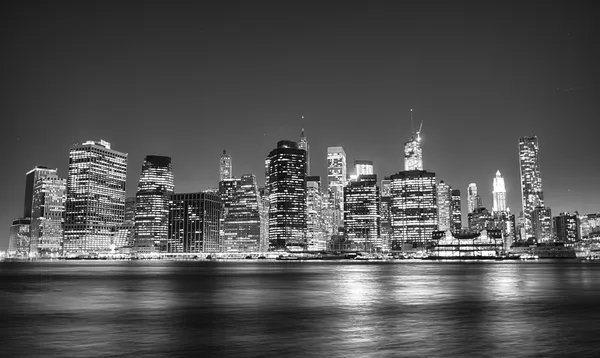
505,221
566,226
361,213
385,202
473,199
303,144
499,194
532,195
194,223
95,204
363,167
444,204
542,223
413,209
336,181
589,225
20,238
226,170
481,219
155,187
286,184
264,219
456,210
49,195
241,214
315,221
130,209
31,178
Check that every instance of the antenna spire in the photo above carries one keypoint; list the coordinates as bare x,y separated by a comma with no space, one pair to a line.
412,125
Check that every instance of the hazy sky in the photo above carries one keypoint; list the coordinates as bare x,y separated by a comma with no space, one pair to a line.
190,80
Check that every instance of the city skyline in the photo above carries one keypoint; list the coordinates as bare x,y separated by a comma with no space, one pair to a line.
361,106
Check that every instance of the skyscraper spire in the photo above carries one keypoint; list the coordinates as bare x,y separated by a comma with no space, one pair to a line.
413,155
304,145
225,169
499,193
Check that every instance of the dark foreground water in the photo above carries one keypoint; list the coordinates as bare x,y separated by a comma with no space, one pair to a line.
329,309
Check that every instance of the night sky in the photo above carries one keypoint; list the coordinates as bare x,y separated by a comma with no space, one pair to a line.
190,80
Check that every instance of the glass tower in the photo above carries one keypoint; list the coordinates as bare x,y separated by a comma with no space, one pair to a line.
532,195
363,167
361,213
456,209
225,170
241,214
155,187
499,194
444,204
95,204
49,195
315,221
473,198
31,178
336,181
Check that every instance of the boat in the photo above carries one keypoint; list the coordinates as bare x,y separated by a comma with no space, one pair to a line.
287,258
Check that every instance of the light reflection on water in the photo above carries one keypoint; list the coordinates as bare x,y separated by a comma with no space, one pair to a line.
297,309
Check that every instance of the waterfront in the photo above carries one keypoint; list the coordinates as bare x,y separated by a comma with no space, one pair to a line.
335,309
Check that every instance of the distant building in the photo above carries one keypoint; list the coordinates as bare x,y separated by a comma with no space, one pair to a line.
481,219
226,170
194,223
20,238
484,244
286,184
531,182
444,205
49,195
155,187
95,204
473,199
363,167
385,202
361,213
499,194
31,178
264,219
315,223
303,144
542,223
413,209
456,210
566,226
589,225
336,181
241,214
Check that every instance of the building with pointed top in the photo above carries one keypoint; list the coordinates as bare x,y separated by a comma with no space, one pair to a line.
303,144
473,199
499,194
225,170
413,154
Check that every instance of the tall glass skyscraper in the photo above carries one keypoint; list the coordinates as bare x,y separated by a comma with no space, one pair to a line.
532,195
49,195
286,184
31,178
95,204
473,199
315,222
194,223
336,181
155,187
20,238
499,194
541,219
456,209
385,212
225,170
241,215
362,218
303,144
444,204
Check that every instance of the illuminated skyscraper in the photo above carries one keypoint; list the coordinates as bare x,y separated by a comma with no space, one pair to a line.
473,199
315,222
444,204
130,209
566,227
31,178
363,167
241,215
456,210
286,175
532,195
194,223
95,204
226,170
541,220
303,144
385,212
49,195
20,238
413,154
152,204
480,219
413,208
361,213
336,181
499,194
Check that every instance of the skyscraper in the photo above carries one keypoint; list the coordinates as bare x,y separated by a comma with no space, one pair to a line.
130,209
315,222
480,219
336,181
361,213
532,195
152,204
303,144
241,216
194,223
95,203
226,170
444,204
456,209
499,194
413,155
473,198
413,208
385,212
363,167
30,179
286,175
20,238
541,220
49,195
566,226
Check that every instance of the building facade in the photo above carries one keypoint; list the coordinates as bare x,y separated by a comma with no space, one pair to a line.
473,199
20,238
47,220
95,204
194,223
456,209
226,167
31,178
481,219
532,195
499,194
444,204
362,218
315,222
336,181
567,228
385,212
542,223
241,214
286,184
363,167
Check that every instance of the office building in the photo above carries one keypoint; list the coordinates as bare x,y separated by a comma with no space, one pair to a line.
336,181
473,199
566,226
194,223
444,205
303,144
31,178
589,225
225,170
361,213
385,202
363,167
532,195
480,219
95,204
49,195
286,184
542,223
155,187
498,194
241,214
456,210
315,221
19,240
413,154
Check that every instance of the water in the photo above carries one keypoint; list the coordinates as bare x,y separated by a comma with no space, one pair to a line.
291,309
